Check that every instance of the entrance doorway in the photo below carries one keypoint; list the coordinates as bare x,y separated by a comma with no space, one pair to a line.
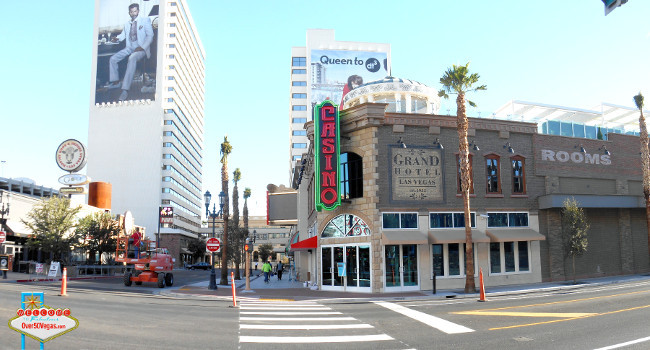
346,267
401,267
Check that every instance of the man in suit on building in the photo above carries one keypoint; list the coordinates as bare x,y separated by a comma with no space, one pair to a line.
138,34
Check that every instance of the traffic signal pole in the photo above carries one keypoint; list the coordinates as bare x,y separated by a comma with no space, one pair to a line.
248,265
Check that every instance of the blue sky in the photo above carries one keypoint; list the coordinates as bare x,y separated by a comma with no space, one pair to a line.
554,52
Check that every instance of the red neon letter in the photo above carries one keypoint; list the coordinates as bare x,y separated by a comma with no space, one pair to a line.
328,179
328,146
323,196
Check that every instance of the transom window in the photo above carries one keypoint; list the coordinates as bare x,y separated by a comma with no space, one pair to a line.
400,220
346,225
518,175
507,219
493,183
450,220
509,257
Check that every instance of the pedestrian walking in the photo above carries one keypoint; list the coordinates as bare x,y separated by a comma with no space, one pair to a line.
266,268
256,266
280,268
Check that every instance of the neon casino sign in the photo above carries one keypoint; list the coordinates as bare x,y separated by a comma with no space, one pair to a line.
327,155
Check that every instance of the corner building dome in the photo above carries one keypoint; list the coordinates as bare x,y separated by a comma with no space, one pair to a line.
401,95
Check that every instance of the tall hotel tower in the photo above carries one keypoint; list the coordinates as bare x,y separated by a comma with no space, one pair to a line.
327,69
145,135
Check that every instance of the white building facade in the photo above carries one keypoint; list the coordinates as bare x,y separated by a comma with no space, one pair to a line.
149,146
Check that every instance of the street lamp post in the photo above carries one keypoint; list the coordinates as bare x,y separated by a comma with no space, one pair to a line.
213,215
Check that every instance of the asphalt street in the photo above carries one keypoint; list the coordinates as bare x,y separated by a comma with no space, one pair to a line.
112,316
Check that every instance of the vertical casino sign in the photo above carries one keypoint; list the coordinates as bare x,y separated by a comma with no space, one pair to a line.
327,155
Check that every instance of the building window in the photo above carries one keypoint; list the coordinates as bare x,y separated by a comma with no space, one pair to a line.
298,83
450,220
172,3
171,56
170,89
173,14
507,219
299,108
299,132
509,257
172,35
172,24
448,259
299,61
493,183
351,176
171,66
298,71
172,46
299,145
298,95
518,175
299,120
459,187
346,225
170,100
400,220
297,158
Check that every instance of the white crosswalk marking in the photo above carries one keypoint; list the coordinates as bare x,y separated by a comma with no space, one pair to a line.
435,322
301,323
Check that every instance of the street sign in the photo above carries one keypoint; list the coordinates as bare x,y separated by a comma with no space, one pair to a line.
3,237
72,190
212,245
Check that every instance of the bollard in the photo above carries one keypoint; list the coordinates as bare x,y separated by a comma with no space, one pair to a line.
234,294
64,283
434,281
480,275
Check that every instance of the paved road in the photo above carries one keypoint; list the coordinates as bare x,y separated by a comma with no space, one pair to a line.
112,316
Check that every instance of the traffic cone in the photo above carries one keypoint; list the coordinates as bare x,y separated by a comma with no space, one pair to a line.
480,277
64,283
234,293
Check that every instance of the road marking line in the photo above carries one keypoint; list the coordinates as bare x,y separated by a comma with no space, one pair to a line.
435,322
304,326
572,318
524,314
297,319
283,308
289,313
331,339
616,346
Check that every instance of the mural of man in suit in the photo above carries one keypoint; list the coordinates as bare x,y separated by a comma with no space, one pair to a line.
138,34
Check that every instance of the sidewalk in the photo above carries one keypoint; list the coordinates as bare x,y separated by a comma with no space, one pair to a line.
290,290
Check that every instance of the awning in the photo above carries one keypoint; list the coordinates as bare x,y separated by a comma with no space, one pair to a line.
16,228
516,234
404,237
185,251
456,236
305,244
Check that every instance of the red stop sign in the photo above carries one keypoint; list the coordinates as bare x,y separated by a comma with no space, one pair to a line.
3,237
212,245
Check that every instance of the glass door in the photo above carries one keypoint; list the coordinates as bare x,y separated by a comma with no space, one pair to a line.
352,272
401,269
364,266
338,259
326,266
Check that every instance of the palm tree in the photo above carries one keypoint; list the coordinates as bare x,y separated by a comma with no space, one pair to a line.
237,246
226,149
645,161
457,80
247,194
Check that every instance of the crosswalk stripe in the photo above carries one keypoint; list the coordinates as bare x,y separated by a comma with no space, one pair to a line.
288,313
297,318
432,321
305,326
323,339
283,308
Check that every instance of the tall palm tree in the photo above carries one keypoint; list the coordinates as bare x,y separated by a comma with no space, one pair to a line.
457,80
237,246
645,161
247,194
226,149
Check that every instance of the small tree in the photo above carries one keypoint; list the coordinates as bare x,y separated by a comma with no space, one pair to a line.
265,250
196,246
575,227
99,233
51,222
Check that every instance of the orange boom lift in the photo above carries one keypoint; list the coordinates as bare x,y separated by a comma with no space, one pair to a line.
150,264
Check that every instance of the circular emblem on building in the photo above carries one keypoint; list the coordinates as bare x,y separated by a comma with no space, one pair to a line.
71,155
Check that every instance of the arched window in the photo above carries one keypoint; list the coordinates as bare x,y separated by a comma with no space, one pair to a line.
346,225
351,176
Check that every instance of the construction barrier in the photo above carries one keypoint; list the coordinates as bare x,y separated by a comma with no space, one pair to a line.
234,292
64,283
480,277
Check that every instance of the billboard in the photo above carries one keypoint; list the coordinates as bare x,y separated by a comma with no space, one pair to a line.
335,72
126,50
